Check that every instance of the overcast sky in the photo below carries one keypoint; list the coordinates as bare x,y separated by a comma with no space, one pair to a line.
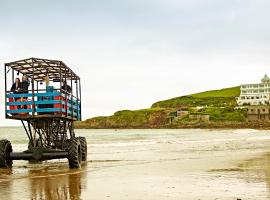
130,54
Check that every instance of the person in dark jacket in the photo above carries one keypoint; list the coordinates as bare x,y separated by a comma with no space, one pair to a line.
16,87
66,87
25,84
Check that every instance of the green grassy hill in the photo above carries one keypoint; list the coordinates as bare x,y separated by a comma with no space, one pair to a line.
218,98
219,104
226,92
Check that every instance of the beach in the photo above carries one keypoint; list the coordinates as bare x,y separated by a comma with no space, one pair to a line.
148,165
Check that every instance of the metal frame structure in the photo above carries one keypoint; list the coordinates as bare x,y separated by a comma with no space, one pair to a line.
47,115
37,70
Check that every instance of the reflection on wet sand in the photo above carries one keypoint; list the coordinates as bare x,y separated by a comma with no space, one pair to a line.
7,185
258,169
267,170
47,185
54,182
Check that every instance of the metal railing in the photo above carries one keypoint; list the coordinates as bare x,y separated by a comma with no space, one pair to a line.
42,102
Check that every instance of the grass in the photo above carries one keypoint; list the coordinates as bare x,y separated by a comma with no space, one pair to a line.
214,98
226,92
224,114
134,118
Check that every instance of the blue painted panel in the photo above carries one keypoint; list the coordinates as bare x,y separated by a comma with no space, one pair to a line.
48,102
19,103
48,94
49,88
19,95
36,102
20,111
46,99
48,109
74,106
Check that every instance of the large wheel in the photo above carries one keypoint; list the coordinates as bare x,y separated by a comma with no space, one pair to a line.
5,150
83,148
66,144
74,153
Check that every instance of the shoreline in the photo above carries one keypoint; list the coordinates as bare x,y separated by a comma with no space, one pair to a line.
262,125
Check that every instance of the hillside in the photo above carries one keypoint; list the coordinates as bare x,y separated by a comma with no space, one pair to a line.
217,98
226,92
218,104
145,118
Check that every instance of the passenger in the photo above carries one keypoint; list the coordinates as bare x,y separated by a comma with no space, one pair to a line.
47,80
66,87
16,87
25,84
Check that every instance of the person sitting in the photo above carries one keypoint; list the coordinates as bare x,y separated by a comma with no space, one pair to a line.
66,87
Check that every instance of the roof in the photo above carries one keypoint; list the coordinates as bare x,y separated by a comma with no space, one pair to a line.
38,68
265,78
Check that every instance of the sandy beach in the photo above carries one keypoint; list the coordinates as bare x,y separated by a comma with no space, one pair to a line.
149,165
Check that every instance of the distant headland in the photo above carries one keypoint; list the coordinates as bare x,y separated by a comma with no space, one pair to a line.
245,106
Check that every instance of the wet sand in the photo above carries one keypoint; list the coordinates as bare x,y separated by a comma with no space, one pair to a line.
151,165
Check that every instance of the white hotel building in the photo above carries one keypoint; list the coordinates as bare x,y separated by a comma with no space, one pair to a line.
255,94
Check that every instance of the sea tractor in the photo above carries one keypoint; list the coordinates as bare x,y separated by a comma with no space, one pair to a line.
47,109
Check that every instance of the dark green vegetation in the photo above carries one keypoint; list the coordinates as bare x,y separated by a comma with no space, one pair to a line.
146,118
218,104
223,114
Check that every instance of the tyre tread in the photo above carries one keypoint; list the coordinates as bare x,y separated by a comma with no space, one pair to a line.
5,148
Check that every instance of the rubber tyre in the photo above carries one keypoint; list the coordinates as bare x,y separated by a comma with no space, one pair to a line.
83,147
74,153
5,150
66,144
